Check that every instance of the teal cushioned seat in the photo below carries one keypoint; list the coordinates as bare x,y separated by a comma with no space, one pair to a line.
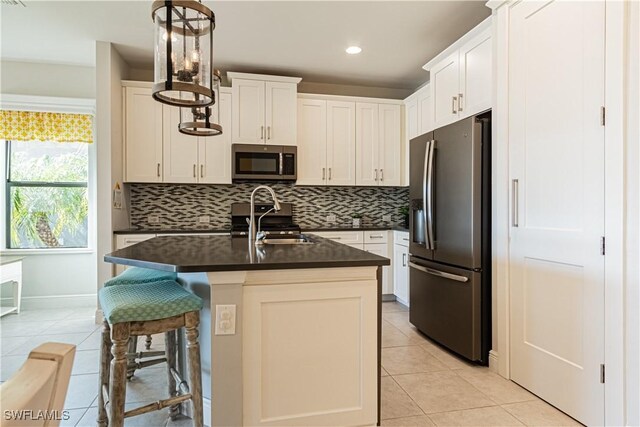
146,301
137,275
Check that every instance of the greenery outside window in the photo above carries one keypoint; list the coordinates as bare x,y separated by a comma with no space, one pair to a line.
46,194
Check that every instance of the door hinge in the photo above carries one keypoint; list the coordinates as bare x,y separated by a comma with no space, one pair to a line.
602,373
602,245
603,115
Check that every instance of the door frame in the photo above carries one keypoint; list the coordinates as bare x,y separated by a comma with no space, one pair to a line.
615,39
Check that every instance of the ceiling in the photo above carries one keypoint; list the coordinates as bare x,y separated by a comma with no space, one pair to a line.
297,38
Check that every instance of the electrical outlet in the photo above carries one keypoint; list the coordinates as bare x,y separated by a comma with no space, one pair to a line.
204,219
153,219
225,319
331,218
386,218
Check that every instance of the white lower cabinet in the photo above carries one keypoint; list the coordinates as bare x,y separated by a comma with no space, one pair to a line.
125,240
401,267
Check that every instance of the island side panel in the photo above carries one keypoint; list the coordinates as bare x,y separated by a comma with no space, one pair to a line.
379,303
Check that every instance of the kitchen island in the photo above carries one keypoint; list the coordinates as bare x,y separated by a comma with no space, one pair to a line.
304,345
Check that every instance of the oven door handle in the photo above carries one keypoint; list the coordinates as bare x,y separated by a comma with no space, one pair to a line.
439,273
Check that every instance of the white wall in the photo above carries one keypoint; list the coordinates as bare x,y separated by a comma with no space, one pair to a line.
52,280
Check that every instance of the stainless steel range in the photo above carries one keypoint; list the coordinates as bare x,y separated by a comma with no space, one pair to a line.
280,222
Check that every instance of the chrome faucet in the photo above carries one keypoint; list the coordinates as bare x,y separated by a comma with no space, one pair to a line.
253,235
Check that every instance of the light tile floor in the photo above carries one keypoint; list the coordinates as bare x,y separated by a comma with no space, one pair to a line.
422,384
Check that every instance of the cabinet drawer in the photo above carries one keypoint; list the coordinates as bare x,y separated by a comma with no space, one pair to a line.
346,237
379,236
401,238
125,240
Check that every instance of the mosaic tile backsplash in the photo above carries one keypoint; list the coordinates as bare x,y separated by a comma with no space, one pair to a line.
179,206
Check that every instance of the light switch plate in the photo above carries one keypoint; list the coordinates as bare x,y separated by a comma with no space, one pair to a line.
331,218
153,219
204,219
386,218
225,319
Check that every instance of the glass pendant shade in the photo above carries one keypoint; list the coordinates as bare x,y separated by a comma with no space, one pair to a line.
203,121
183,57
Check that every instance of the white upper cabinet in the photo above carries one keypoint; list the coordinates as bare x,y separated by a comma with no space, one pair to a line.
367,142
424,123
142,136
180,151
461,78
444,91
214,152
264,109
312,142
389,144
341,147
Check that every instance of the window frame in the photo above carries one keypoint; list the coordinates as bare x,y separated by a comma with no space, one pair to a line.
55,105
35,184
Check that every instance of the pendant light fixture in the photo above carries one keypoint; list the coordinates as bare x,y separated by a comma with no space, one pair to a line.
205,121
183,60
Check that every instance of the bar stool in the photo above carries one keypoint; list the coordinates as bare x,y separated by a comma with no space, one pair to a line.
136,276
144,309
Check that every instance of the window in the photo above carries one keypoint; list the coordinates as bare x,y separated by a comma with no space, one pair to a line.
47,203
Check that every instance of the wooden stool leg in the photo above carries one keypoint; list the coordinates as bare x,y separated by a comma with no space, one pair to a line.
133,348
118,377
192,320
147,343
105,363
170,353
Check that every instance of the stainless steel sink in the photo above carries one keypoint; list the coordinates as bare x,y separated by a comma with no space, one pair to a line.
299,239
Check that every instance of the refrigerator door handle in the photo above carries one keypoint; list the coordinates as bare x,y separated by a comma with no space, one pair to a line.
439,273
429,197
425,175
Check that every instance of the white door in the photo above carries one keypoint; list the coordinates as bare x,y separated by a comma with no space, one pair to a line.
401,273
180,151
312,142
424,111
475,75
381,249
367,153
280,113
214,152
248,112
341,143
444,91
556,144
389,144
143,136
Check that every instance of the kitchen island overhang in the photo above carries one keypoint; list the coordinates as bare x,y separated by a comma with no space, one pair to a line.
306,350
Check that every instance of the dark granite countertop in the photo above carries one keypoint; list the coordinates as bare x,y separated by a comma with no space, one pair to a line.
190,254
395,227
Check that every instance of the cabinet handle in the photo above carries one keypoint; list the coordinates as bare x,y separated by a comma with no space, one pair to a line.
158,170
329,174
261,132
268,132
194,170
404,260
323,170
454,110
376,170
376,236
201,171
514,202
381,175
459,102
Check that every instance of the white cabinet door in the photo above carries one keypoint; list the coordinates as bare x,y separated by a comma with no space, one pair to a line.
312,142
367,152
475,75
341,147
248,112
180,150
280,113
444,91
382,249
424,110
389,145
401,273
143,136
410,131
556,154
214,152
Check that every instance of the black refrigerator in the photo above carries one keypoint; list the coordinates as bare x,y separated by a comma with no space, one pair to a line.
450,236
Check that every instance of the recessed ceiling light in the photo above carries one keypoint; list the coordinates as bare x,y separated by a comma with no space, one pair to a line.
353,50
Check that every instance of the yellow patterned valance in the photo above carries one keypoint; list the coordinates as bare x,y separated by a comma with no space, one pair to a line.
37,126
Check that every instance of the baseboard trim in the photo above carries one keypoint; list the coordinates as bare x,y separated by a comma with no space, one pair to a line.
493,361
206,408
56,301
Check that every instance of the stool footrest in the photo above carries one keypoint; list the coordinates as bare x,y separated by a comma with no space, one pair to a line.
182,384
155,406
145,363
142,354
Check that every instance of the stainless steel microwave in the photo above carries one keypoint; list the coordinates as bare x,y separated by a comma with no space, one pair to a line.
264,162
